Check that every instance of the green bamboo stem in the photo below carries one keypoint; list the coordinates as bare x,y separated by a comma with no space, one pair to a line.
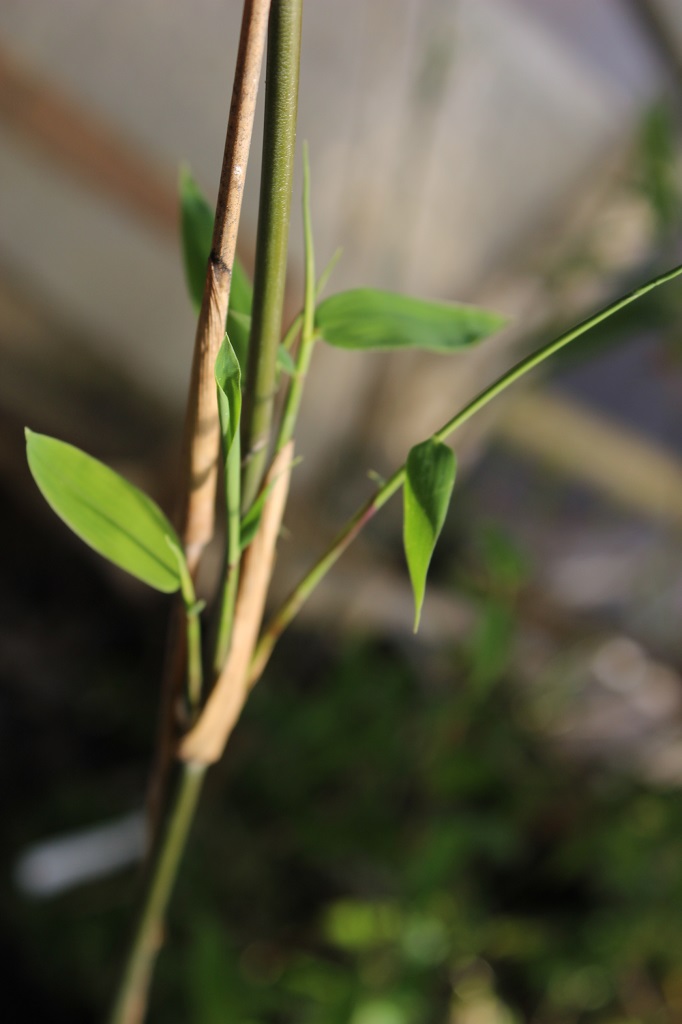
194,666
302,591
131,999
308,337
281,101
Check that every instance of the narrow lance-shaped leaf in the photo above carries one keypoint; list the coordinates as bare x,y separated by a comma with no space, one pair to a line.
197,237
368,319
250,522
111,515
228,380
429,479
285,361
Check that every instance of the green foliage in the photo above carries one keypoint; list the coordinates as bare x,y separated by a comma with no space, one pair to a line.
196,222
365,318
197,217
108,513
251,519
461,867
228,380
285,361
460,864
429,481
659,173
394,942
241,291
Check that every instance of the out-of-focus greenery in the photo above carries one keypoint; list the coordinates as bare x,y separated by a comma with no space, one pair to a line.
658,172
390,841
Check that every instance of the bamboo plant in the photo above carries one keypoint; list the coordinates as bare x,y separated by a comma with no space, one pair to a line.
245,391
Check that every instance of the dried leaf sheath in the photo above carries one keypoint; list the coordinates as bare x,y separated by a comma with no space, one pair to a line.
206,741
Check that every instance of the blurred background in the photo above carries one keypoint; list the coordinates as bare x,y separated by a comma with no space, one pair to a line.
480,825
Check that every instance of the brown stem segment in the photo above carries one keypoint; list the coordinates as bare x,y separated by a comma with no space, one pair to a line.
202,439
205,743
201,444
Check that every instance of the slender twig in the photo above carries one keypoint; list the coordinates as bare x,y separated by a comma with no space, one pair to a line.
233,552
296,324
193,633
300,594
281,100
131,1000
202,439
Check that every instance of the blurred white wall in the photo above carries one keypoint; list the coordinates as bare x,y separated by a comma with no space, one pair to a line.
444,134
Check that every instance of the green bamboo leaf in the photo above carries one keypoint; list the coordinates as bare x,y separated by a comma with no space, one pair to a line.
108,513
429,479
251,520
285,361
197,237
241,290
196,220
239,329
228,379
368,319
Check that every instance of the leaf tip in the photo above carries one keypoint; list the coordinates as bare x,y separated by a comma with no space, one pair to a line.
185,179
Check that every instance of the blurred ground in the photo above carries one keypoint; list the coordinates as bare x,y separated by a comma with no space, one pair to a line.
479,826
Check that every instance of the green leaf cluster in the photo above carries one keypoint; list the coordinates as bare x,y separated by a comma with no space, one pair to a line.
125,526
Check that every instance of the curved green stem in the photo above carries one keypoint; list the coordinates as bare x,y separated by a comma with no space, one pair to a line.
193,626
296,324
194,667
131,999
299,595
281,100
231,579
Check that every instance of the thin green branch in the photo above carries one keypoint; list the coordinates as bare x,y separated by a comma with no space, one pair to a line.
296,324
299,595
193,610
194,668
281,101
232,555
131,999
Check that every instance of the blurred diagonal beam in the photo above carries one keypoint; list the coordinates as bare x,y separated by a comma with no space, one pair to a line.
610,457
656,24
38,112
